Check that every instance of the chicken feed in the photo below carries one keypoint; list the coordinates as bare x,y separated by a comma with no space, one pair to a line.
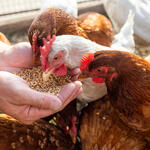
35,81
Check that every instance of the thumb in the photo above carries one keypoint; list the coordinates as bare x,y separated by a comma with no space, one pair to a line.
42,100
70,91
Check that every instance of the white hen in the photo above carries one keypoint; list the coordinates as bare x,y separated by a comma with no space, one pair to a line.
118,10
74,47
125,38
69,6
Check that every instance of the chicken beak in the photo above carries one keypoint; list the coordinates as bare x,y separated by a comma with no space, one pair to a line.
82,77
46,74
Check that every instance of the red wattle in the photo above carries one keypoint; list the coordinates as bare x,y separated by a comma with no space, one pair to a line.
98,80
61,71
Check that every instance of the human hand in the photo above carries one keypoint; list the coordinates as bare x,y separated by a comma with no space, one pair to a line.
15,57
27,105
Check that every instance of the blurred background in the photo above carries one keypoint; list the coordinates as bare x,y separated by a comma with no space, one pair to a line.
17,15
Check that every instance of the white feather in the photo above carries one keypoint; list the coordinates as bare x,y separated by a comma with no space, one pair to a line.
118,10
69,6
125,38
92,91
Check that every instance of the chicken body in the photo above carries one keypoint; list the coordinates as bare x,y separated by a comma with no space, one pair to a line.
40,135
97,27
129,91
58,22
54,21
125,38
101,128
142,17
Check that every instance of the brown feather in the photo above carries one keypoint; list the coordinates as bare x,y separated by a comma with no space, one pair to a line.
52,21
97,27
101,128
56,21
38,136
130,91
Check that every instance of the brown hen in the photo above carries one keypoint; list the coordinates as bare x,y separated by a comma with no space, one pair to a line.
127,77
97,27
102,129
66,120
58,22
38,136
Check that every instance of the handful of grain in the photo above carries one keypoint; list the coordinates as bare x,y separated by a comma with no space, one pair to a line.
35,80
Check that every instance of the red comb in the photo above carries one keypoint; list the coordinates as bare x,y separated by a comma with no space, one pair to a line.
45,50
85,61
34,43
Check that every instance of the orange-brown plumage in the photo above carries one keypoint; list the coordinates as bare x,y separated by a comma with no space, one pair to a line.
97,27
40,135
129,91
4,39
67,120
101,128
56,21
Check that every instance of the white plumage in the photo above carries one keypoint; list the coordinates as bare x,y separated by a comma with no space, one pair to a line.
125,38
69,6
118,10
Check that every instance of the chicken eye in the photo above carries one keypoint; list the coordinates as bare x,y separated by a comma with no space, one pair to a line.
99,69
56,57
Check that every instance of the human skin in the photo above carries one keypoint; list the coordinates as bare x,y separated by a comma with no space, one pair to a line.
17,99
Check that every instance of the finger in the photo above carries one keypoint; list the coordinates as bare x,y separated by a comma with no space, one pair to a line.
70,91
67,94
34,114
10,69
41,100
73,96
27,122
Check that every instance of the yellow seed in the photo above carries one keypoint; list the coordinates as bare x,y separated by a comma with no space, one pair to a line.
35,81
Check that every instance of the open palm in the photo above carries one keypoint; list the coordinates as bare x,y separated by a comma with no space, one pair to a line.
17,98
